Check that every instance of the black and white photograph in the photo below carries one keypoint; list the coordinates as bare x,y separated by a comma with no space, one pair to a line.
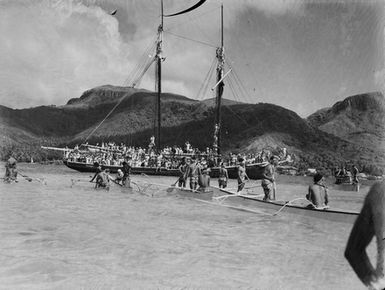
192,144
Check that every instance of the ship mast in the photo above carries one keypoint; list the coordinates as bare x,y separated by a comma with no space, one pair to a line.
158,76
219,92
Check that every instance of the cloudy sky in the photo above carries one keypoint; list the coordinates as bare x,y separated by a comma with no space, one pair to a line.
301,54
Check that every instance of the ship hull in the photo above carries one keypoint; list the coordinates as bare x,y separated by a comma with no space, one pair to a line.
254,171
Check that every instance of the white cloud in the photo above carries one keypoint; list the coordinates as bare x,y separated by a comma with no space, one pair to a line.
52,51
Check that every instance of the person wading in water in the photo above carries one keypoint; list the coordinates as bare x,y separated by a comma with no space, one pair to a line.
10,170
98,169
126,173
242,175
268,181
182,173
193,171
223,176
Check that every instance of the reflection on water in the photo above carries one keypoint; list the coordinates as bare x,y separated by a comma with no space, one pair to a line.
62,237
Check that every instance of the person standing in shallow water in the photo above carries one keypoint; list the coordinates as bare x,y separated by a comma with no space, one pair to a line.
182,173
193,171
10,170
242,175
126,173
223,176
268,179
370,223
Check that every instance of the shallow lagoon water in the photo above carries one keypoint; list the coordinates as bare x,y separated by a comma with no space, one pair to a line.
70,236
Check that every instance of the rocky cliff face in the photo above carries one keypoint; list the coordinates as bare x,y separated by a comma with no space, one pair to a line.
359,119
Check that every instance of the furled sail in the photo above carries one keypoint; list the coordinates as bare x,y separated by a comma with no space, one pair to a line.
188,9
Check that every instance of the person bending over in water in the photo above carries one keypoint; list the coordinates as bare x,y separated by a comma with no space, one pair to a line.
103,180
369,223
10,170
98,169
318,193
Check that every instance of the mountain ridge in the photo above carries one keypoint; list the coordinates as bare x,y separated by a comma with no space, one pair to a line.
245,127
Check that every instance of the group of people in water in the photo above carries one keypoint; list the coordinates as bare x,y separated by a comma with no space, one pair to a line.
102,177
369,224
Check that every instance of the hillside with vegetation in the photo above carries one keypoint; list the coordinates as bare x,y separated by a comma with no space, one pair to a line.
314,142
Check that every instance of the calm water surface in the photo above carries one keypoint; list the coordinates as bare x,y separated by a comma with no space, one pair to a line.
70,236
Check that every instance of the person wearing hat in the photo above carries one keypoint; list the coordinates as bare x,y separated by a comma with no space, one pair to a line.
318,192
242,175
268,179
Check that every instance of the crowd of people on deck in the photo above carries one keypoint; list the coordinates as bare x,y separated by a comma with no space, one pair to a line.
168,158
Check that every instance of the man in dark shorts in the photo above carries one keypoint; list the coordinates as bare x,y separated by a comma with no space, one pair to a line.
193,171
370,223
126,172
223,176
182,173
318,192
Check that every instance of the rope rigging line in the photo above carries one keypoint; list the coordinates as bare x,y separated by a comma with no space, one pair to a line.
240,84
134,79
105,118
141,65
194,40
204,87
234,113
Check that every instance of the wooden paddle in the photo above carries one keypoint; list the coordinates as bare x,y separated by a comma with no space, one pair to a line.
114,181
171,188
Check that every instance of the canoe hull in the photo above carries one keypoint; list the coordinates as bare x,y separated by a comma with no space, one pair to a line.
327,214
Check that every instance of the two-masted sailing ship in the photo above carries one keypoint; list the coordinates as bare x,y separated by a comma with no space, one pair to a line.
253,170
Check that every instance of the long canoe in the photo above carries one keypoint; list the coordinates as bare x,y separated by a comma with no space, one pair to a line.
335,215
